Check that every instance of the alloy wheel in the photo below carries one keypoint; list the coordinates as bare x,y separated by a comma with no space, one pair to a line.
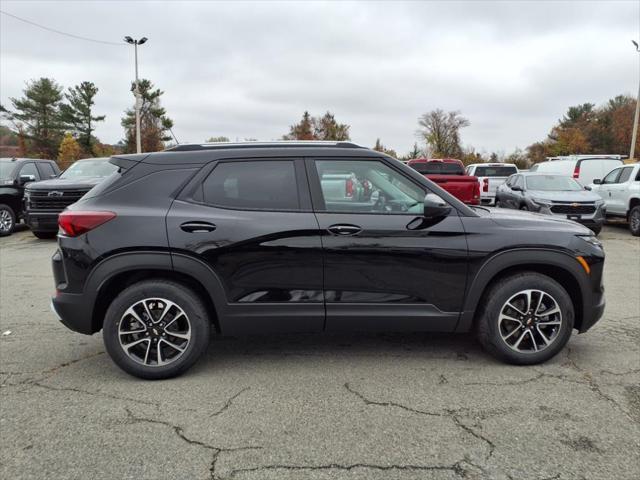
530,321
154,332
634,221
6,222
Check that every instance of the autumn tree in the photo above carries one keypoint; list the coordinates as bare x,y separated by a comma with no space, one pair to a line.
37,114
77,114
441,132
69,151
379,147
155,125
318,128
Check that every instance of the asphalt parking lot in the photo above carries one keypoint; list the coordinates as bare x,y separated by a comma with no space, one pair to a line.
320,407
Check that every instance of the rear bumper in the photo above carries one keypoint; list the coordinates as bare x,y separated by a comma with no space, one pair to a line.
42,221
70,311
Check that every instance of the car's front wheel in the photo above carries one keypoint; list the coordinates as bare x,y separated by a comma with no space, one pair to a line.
526,319
156,329
634,221
7,220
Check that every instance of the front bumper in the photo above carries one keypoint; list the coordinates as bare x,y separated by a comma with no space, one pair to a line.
595,219
42,221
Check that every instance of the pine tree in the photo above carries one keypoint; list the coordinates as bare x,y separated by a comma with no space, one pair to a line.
302,130
318,128
77,113
69,151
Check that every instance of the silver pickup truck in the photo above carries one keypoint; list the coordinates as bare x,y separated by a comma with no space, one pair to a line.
490,176
620,190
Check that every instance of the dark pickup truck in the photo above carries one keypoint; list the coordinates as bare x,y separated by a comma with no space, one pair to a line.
449,174
45,200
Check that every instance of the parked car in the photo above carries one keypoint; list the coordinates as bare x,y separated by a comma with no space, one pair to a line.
45,200
556,195
620,190
242,238
584,168
490,175
449,174
15,174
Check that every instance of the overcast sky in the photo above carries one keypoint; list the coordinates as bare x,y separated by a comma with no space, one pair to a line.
249,69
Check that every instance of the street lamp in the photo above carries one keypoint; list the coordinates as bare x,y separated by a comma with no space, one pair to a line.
136,90
634,136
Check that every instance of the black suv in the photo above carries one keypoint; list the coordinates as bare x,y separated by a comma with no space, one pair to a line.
249,238
45,200
15,173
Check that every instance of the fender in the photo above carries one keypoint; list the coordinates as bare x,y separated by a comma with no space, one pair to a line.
502,261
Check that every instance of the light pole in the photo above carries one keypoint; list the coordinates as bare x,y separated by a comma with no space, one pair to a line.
136,90
634,136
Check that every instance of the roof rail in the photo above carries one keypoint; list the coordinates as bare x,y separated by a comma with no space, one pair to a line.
190,147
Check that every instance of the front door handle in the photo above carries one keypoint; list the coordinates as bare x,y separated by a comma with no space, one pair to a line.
197,227
344,230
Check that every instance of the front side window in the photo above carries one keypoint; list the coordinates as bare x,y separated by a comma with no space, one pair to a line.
254,185
30,169
519,181
367,186
612,176
625,174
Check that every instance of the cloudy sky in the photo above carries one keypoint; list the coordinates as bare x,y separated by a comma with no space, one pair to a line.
249,69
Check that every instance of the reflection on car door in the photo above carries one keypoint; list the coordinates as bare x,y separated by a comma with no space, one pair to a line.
385,268
605,189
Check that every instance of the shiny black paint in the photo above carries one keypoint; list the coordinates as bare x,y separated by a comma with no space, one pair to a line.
280,271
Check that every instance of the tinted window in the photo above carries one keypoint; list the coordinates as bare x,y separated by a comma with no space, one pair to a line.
612,176
367,186
501,171
46,169
6,167
438,168
626,173
259,185
30,169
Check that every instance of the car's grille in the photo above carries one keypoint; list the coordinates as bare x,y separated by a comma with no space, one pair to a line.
574,208
54,200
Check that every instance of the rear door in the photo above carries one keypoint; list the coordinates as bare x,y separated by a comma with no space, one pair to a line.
385,266
251,222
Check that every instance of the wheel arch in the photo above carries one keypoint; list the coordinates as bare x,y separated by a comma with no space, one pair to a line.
633,202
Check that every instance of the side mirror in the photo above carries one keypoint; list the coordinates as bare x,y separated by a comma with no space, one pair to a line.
435,207
597,181
587,187
517,188
27,178
53,176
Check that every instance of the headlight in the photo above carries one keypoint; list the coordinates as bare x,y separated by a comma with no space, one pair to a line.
542,202
591,239
599,202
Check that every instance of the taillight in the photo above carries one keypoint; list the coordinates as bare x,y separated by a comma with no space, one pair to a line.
485,184
349,187
576,171
74,223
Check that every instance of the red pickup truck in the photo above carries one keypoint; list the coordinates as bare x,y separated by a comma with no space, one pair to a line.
449,174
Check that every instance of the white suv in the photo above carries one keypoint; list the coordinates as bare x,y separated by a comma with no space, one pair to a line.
620,189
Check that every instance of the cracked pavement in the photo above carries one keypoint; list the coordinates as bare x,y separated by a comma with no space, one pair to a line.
369,406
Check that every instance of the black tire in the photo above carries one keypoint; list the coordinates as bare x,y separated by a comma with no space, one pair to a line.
497,205
495,299
7,220
185,299
524,207
45,235
634,221
596,229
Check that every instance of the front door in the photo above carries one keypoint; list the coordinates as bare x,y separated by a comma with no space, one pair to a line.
251,222
385,266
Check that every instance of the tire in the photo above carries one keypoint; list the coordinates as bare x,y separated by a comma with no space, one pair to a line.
498,336
7,220
634,221
497,204
524,207
45,235
596,229
195,324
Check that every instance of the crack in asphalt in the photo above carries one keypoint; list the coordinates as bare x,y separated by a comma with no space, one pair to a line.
179,431
96,394
229,402
453,415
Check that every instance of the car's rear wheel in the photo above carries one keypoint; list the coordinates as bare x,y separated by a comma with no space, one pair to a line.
156,329
44,235
7,220
634,221
527,319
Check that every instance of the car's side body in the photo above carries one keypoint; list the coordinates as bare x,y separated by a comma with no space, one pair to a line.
620,189
308,268
584,168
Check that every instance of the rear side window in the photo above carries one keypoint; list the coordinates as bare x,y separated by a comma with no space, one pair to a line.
500,171
256,185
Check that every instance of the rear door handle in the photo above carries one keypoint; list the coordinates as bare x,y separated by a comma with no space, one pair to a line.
196,227
344,230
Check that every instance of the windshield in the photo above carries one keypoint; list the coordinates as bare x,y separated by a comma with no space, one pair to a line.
90,168
438,168
556,183
500,171
6,167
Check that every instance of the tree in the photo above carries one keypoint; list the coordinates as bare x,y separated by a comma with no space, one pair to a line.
318,128
519,159
379,147
77,114
38,115
441,131
154,122
69,151
220,139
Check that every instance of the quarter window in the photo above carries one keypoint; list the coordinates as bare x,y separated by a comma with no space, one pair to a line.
256,185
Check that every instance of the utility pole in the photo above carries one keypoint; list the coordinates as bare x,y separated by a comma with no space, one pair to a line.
634,136
136,90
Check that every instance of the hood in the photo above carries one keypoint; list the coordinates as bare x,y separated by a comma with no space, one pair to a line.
524,220
66,183
560,196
